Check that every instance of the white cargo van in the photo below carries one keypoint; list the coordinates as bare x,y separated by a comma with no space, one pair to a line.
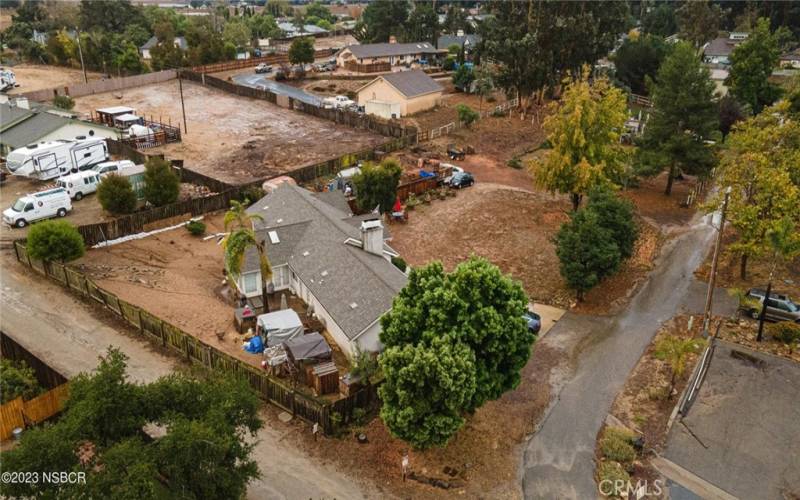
36,206
48,160
80,184
112,167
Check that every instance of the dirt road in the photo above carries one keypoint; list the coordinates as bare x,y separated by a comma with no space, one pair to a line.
57,327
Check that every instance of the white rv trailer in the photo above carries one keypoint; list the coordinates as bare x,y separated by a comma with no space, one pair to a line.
49,160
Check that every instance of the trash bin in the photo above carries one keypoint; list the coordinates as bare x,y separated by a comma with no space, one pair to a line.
17,433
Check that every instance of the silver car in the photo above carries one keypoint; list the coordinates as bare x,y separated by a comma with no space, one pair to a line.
779,308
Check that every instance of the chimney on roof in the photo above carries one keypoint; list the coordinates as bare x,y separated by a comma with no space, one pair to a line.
460,33
392,39
22,102
372,237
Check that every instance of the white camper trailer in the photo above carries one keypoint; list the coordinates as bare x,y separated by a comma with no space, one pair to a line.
49,160
8,80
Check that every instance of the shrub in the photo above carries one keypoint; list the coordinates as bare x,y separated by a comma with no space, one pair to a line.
491,98
399,263
359,416
17,379
116,195
785,332
515,162
412,201
616,449
253,194
611,473
499,113
64,102
620,433
466,115
449,64
55,241
195,227
161,184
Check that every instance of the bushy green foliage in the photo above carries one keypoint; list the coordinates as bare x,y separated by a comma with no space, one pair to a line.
463,78
55,240
752,63
364,365
17,379
116,195
302,51
616,444
64,102
204,454
399,263
586,251
376,185
161,183
467,115
612,473
448,64
785,332
453,342
196,227
638,59
615,214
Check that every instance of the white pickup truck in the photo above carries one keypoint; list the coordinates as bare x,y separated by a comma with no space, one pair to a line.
338,102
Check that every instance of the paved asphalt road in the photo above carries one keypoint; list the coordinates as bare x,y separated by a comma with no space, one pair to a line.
558,460
64,331
262,82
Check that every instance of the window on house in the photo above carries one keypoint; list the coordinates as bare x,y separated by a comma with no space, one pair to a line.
250,282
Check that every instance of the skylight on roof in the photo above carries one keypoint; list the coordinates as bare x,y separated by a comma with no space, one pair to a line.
353,305
273,237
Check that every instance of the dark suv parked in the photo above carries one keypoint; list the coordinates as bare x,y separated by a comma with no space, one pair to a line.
779,308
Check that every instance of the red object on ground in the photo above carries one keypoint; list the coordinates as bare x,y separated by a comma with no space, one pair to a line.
398,207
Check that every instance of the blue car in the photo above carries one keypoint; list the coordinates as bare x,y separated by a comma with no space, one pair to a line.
534,321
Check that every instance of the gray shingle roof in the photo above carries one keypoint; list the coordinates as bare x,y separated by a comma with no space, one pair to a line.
312,238
153,41
720,47
391,49
10,115
412,83
32,129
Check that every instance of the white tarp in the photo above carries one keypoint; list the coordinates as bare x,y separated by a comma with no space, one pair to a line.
280,326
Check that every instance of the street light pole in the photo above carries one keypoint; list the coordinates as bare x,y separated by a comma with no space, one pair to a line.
714,263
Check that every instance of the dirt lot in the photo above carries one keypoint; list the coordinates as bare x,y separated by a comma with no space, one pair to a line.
37,76
446,112
86,211
236,139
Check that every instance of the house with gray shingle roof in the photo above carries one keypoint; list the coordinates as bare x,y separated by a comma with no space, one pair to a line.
393,53
336,263
400,93
144,50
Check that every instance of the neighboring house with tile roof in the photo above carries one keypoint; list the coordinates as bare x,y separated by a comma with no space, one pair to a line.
336,263
400,93
392,53
24,122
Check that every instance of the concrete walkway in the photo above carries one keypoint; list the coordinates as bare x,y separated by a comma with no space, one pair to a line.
559,459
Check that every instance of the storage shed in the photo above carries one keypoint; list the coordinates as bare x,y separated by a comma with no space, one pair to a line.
408,92
326,378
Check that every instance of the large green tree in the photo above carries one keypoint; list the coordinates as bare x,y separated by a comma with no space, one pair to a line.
638,59
462,337
584,131
617,215
55,240
376,185
537,44
762,166
422,24
752,63
205,453
161,183
382,19
660,20
302,51
683,119
699,21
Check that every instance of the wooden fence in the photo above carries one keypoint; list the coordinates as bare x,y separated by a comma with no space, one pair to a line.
101,86
195,351
253,61
20,414
640,100
447,129
417,186
378,67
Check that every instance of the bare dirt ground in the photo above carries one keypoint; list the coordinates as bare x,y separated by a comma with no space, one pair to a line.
38,76
642,404
177,277
236,139
86,211
665,211
446,112
513,228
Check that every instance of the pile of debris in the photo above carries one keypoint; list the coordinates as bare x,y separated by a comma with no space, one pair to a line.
192,191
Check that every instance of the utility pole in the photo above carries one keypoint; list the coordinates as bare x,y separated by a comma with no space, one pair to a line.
714,262
80,53
183,109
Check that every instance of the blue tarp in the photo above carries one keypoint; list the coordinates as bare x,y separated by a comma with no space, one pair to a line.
424,173
256,346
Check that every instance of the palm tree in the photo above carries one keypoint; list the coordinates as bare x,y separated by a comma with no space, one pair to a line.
242,236
785,244
675,351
